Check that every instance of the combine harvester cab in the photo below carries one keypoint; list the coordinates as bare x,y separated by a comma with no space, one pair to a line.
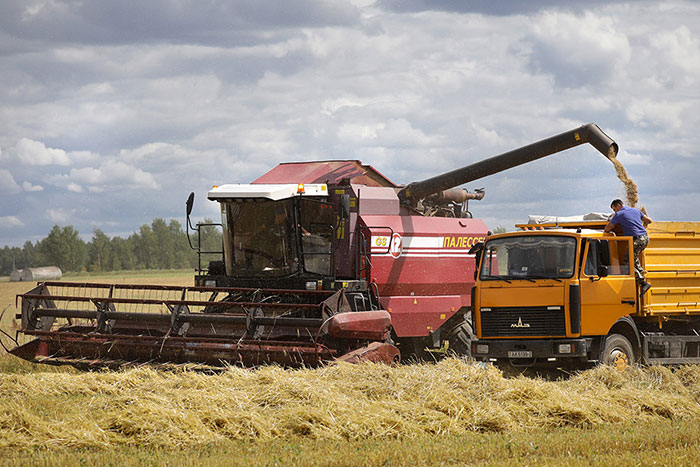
321,262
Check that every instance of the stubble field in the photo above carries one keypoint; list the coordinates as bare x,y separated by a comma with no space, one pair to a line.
451,412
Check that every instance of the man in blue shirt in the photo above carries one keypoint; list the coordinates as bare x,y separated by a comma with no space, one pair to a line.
632,222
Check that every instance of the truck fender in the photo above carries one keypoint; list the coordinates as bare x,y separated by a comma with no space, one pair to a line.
628,328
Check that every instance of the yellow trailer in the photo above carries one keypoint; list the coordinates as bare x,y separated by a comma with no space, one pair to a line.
565,292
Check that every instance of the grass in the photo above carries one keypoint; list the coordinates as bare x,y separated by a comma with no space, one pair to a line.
661,443
453,412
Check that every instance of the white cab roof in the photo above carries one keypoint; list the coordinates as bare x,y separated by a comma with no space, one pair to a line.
272,192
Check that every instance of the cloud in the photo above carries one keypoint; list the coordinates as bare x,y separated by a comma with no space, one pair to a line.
578,49
7,183
127,22
32,152
111,174
119,103
60,215
10,222
500,7
27,186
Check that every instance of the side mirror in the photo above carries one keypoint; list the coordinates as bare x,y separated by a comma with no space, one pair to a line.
477,250
602,270
190,203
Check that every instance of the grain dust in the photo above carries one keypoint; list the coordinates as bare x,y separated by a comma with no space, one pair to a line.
631,191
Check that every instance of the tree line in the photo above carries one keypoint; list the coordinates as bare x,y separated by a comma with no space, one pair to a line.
161,245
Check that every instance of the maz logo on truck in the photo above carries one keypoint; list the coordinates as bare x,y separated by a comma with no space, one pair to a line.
520,324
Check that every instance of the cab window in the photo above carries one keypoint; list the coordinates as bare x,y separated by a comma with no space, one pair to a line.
615,254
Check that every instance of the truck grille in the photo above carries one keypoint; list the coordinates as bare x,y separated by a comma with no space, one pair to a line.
522,321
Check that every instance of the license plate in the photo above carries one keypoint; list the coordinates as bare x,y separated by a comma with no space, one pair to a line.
520,354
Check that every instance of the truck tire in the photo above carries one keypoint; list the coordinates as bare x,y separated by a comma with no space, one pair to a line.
460,339
617,351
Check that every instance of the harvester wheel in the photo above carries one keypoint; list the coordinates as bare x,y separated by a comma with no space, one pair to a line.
413,349
617,351
460,339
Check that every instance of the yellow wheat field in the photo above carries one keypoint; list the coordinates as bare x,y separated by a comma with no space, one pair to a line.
344,402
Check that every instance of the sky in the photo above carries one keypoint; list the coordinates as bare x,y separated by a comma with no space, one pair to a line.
111,113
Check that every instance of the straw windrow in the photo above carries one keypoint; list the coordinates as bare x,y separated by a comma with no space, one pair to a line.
344,402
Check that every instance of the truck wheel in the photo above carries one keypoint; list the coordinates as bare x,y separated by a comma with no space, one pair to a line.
460,339
617,351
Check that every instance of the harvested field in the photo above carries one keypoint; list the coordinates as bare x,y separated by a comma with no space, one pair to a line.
339,403
451,412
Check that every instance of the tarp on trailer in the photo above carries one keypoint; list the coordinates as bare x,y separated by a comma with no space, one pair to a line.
590,217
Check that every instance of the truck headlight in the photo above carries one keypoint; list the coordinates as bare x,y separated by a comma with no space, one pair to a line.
564,348
482,348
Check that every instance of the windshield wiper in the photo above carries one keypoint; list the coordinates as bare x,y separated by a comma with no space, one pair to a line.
545,277
498,278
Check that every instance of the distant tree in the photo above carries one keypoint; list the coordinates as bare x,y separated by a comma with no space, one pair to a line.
182,254
160,245
144,245
499,229
64,248
19,258
28,253
164,251
122,255
99,252
6,255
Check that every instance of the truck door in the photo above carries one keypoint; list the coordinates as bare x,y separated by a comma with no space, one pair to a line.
608,289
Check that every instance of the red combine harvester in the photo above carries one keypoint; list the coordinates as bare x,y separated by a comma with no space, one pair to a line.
321,261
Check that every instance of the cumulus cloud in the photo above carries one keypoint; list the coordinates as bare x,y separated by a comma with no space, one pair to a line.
8,185
577,49
7,222
103,21
60,215
122,102
29,187
113,174
32,152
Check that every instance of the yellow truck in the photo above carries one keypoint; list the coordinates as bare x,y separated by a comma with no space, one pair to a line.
565,292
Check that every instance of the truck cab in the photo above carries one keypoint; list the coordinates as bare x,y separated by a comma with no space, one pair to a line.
566,293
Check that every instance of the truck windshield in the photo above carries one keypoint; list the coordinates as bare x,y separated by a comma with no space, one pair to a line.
528,257
259,238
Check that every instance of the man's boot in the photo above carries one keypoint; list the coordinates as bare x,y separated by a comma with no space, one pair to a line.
645,286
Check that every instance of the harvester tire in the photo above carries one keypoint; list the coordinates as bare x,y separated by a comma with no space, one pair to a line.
617,351
413,350
460,339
